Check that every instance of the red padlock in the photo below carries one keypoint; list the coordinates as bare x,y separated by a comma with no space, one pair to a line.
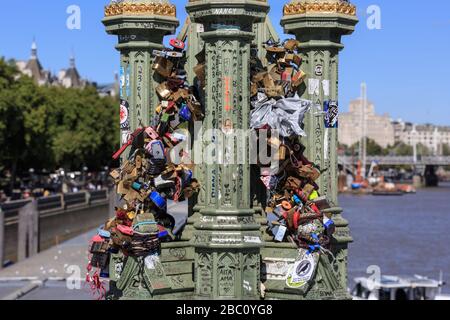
286,75
171,138
170,107
296,219
177,44
129,143
315,208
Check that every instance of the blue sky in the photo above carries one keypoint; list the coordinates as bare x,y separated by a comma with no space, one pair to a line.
406,64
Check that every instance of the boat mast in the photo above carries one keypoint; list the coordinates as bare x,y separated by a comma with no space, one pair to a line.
363,141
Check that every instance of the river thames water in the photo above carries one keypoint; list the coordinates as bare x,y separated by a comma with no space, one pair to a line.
405,235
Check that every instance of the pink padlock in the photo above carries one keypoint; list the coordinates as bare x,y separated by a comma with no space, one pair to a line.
125,230
152,133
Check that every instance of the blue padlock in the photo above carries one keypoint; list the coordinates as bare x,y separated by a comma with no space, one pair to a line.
103,233
328,224
185,114
187,176
296,199
163,233
104,273
156,198
136,186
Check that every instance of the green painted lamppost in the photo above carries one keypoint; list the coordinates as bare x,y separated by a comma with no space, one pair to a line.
140,27
227,238
319,26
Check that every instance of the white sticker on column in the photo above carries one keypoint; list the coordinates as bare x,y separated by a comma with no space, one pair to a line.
326,87
313,86
200,28
326,145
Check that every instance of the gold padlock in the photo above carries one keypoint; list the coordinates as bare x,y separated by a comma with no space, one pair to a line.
291,44
268,81
163,91
308,189
259,77
199,71
131,215
281,154
163,66
274,142
180,94
289,57
297,60
138,162
276,50
254,89
275,91
115,174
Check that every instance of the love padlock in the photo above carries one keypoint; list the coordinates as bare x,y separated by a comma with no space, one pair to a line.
177,44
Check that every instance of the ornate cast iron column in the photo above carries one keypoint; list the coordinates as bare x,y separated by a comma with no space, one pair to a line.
140,27
319,26
191,33
227,238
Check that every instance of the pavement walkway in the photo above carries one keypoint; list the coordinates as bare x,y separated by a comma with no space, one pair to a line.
50,274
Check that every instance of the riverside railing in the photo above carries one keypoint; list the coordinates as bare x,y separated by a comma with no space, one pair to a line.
26,214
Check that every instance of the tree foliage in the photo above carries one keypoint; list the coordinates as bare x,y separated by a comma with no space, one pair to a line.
446,149
50,127
373,148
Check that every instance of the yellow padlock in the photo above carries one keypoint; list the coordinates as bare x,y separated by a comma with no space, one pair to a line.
131,215
314,195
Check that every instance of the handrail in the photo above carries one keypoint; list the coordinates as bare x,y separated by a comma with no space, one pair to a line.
60,201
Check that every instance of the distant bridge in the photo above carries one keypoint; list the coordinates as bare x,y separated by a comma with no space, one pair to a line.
398,161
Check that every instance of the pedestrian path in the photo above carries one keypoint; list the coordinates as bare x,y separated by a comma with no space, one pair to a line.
45,275
50,274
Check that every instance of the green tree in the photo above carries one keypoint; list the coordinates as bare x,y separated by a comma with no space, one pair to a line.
446,149
19,138
83,127
423,150
402,149
373,148
50,127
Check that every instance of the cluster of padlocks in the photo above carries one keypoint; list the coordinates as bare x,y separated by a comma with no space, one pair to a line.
295,209
147,177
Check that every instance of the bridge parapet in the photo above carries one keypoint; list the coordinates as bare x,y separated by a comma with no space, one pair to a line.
60,217
398,161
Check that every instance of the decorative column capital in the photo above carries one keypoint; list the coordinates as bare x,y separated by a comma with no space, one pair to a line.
300,16
225,14
140,16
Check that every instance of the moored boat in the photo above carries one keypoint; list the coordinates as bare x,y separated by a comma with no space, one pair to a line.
398,288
